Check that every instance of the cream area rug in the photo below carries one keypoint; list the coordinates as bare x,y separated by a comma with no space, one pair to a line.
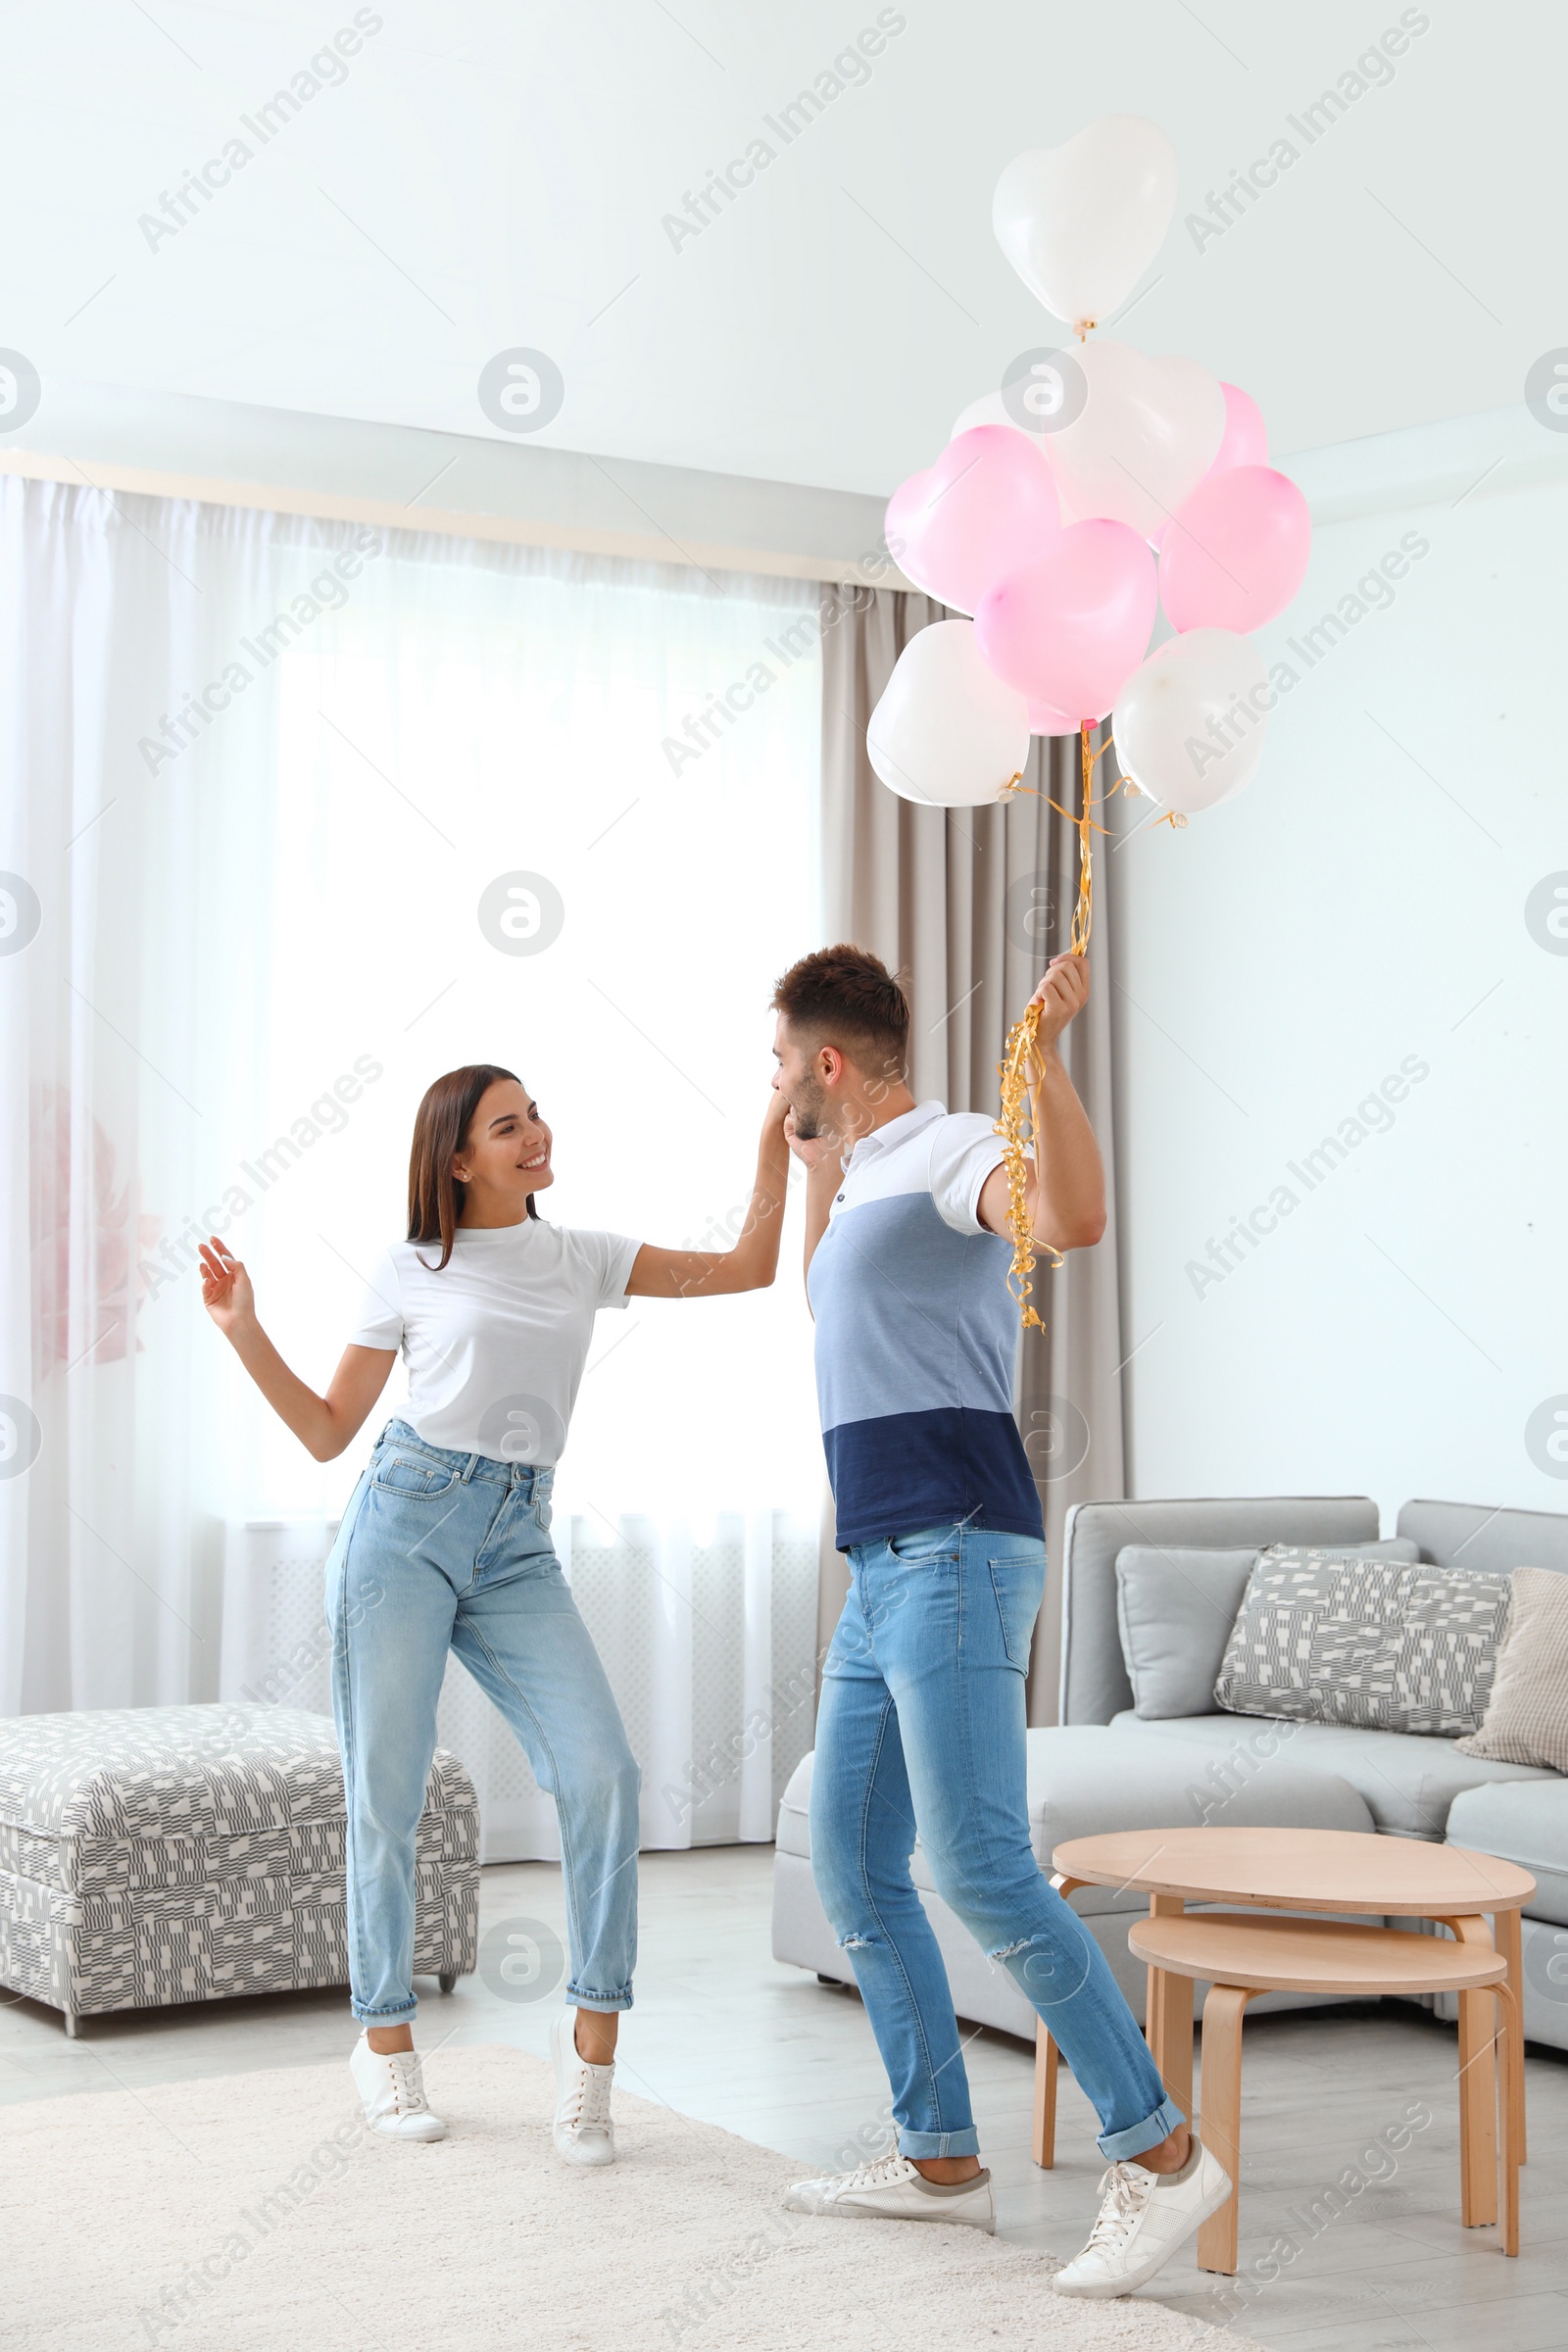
255,2213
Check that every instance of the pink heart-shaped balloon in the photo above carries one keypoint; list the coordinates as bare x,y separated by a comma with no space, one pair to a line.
1070,630
1148,432
1043,720
1236,553
1244,443
1245,439
986,508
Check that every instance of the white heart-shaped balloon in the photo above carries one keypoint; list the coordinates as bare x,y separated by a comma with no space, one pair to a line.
1188,724
1081,224
948,733
1148,433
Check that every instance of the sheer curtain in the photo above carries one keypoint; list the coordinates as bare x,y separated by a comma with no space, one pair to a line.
297,816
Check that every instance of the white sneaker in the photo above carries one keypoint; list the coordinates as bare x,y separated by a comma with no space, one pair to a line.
892,2190
1145,2216
392,2089
583,2130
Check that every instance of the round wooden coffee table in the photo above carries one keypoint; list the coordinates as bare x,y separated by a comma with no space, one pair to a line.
1323,1870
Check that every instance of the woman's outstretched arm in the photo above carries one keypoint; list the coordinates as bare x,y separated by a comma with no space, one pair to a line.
323,1425
753,1261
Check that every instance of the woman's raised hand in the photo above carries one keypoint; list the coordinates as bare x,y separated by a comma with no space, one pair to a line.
227,1292
323,1425
814,1152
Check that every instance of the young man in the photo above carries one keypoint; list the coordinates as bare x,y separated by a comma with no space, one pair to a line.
922,1724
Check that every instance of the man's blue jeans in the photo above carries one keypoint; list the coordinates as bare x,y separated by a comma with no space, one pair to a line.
921,1731
442,1552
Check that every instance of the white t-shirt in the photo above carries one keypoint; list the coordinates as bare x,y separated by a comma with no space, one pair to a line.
495,1343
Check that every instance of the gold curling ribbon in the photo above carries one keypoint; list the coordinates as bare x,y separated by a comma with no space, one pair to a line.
1019,1055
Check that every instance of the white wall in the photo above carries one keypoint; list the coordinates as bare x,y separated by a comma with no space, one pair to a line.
1359,913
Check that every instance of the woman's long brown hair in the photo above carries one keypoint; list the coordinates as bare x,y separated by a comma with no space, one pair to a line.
440,1131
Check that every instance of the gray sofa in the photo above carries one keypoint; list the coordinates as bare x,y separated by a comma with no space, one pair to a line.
1104,1768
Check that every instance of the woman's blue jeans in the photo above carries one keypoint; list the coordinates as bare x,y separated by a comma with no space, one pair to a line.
442,1552
921,1731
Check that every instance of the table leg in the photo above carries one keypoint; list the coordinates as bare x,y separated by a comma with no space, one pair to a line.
1511,2017
1046,2066
1170,2017
1478,2090
1220,2125
1505,1933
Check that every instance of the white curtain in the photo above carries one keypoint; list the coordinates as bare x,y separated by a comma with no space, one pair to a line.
707,1638
261,773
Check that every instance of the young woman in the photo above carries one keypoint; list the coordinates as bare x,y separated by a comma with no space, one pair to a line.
445,1545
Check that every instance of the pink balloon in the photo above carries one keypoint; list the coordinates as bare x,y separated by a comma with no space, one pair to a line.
1043,720
1070,630
1245,441
985,509
1236,553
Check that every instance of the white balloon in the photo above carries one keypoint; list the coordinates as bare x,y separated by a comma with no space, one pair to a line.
1081,224
1189,725
1148,433
947,731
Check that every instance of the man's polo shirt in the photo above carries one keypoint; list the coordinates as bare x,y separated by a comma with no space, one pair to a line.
916,1337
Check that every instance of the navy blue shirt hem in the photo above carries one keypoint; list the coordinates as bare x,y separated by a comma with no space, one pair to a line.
911,1522
898,1472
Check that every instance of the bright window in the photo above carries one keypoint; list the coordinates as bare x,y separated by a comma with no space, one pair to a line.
465,720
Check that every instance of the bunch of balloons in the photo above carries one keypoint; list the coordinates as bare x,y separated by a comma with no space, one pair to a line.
1097,485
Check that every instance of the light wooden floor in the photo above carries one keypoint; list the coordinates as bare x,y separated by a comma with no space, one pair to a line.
722,2032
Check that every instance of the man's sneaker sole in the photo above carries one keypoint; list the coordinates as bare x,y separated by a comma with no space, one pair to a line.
843,2209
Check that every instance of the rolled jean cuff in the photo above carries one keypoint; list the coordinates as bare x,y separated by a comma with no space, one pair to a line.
940,2143
396,2014
578,1999
1138,2137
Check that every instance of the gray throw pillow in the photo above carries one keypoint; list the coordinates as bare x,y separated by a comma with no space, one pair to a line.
1175,1606
1332,1637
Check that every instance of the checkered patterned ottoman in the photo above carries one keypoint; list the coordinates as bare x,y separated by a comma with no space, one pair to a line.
158,1854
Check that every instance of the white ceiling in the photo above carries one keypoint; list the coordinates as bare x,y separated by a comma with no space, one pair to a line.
490,175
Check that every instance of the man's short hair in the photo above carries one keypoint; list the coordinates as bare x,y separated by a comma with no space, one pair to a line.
845,997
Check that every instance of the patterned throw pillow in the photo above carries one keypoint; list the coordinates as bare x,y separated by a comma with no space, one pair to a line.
1527,1716
1325,1637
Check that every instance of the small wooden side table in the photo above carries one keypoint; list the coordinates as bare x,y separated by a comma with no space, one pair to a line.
1322,1871
1239,1954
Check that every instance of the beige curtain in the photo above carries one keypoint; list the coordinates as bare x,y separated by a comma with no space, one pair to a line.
967,904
